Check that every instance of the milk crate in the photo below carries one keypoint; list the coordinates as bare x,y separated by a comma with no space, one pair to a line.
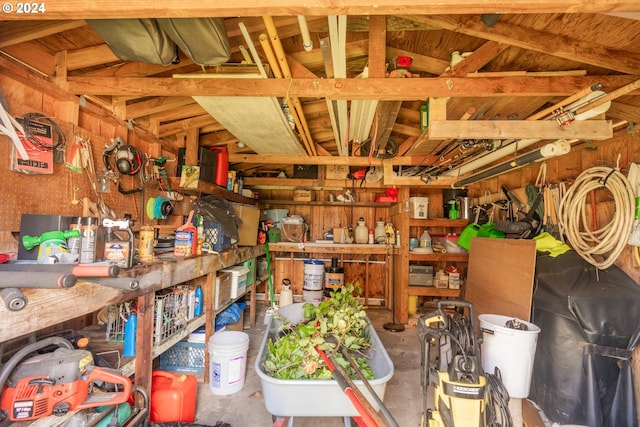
170,314
184,356
214,236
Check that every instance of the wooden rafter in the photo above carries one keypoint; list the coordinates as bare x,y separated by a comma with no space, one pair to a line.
538,41
80,9
381,89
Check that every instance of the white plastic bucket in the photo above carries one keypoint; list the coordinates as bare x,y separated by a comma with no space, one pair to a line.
511,350
312,296
227,361
313,275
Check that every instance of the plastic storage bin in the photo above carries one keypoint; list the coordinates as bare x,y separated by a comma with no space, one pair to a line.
449,242
238,279
223,289
318,398
251,265
420,275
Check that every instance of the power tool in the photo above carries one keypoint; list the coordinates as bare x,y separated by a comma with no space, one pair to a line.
460,386
57,382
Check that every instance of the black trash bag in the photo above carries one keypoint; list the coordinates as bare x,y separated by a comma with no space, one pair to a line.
220,210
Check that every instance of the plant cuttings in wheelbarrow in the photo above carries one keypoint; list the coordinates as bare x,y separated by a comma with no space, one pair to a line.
293,354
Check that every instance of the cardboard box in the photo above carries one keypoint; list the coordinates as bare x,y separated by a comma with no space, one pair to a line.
454,280
530,415
303,195
248,230
336,172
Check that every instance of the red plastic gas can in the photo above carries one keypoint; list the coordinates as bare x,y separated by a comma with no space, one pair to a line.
222,165
173,397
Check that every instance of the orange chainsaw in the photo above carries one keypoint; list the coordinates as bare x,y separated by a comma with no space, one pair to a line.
57,382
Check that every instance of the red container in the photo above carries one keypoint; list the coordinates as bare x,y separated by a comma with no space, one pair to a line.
222,165
173,397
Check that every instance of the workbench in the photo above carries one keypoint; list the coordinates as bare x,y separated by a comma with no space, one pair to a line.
47,307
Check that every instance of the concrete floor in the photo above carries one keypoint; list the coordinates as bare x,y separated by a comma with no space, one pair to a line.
403,394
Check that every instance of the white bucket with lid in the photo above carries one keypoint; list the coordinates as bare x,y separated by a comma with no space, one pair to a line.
313,275
227,361
510,349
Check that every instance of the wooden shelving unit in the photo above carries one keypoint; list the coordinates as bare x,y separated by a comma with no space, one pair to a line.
266,203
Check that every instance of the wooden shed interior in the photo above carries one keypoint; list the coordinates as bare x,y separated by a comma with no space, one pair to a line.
357,106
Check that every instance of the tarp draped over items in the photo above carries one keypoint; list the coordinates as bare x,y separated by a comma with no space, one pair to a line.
590,322
220,210
231,315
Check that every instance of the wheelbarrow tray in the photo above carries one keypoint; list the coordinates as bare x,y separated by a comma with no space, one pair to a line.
318,398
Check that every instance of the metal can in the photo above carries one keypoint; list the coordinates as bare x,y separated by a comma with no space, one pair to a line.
146,244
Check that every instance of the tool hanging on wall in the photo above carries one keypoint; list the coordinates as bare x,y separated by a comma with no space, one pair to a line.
57,144
128,162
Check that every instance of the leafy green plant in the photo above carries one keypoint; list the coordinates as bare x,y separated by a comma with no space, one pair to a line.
339,321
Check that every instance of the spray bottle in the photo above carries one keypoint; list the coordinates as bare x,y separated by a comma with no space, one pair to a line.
53,245
118,251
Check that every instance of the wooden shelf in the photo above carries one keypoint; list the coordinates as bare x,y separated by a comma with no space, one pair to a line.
304,183
266,203
212,189
336,248
428,291
438,257
439,222
55,306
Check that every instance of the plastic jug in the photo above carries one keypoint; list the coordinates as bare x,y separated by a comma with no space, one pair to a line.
173,397
425,240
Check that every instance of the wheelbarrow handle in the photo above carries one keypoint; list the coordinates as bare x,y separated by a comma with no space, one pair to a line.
391,422
368,414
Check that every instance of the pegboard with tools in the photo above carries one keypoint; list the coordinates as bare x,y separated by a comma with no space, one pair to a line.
81,184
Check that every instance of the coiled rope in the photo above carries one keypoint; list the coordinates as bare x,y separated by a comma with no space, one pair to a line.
599,247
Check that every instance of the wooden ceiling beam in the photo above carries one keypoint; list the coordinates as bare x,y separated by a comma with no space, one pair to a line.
20,31
80,9
538,41
182,126
380,89
332,160
481,57
90,56
420,62
179,113
519,129
622,111
156,105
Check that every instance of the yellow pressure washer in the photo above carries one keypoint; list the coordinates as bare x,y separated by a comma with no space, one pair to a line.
460,385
